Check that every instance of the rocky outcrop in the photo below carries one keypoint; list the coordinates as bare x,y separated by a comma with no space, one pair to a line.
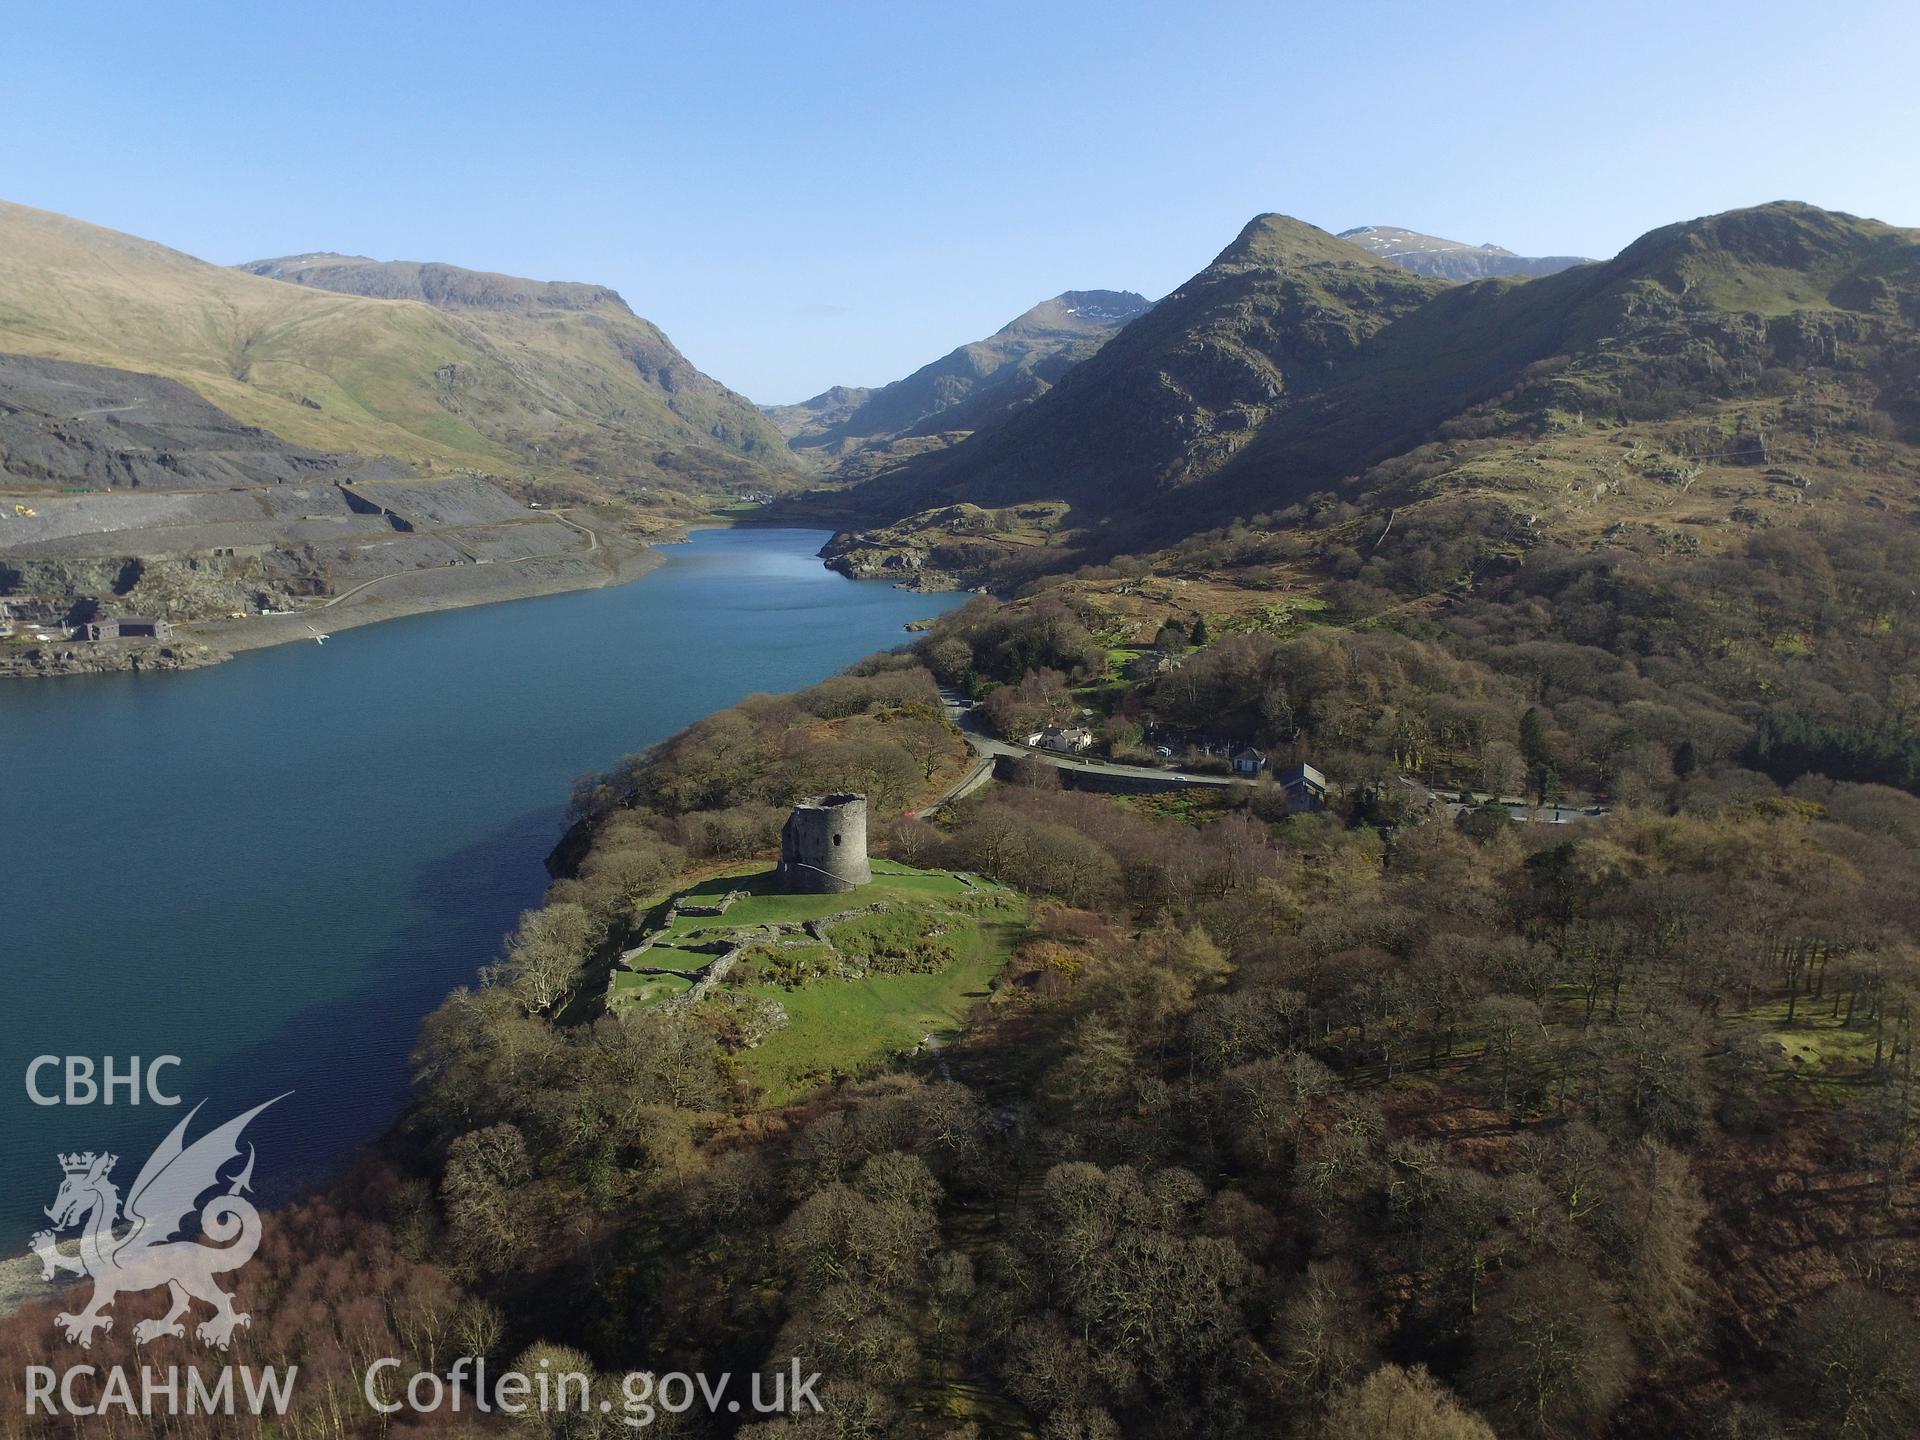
103,657
953,547
906,566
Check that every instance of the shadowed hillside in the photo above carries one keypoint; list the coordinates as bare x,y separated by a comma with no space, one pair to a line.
1183,388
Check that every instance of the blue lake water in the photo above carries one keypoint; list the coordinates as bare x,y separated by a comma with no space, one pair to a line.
275,867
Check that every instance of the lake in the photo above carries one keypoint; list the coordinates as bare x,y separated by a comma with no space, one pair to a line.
273,868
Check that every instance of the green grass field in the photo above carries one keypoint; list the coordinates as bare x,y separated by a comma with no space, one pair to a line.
845,1027
1118,658
629,989
841,1027
1818,1053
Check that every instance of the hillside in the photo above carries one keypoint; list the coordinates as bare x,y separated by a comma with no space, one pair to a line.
1767,354
549,392
1546,1071
194,442
1452,259
973,388
1725,346
1180,390
88,426
595,352
1392,1075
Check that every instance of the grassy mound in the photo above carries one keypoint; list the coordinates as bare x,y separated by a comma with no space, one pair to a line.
861,976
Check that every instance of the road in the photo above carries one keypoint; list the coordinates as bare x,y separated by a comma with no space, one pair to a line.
963,714
967,718
593,540
977,775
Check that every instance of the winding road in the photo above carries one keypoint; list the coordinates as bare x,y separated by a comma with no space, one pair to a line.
964,715
988,749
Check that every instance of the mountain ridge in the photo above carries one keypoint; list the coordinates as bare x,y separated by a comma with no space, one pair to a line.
520,311
1452,259
1183,386
973,387
568,392
430,282
227,450
1288,369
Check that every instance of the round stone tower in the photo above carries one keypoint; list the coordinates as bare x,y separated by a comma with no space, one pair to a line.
823,849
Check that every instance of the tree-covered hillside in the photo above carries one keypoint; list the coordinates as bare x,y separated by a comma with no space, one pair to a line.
1548,1074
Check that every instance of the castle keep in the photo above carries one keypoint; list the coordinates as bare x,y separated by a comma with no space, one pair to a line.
823,849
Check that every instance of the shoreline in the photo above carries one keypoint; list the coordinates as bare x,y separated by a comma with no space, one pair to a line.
392,602
21,1285
199,644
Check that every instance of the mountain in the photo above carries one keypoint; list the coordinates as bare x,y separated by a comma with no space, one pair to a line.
809,419
202,443
594,352
1182,387
1712,323
577,389
1451,259
973,388
1298,369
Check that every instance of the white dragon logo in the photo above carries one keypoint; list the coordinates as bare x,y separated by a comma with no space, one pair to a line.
144,1254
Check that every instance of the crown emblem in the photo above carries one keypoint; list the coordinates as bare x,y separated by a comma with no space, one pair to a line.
82,1163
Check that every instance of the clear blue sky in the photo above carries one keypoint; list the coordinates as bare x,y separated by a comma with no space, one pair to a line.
810,194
